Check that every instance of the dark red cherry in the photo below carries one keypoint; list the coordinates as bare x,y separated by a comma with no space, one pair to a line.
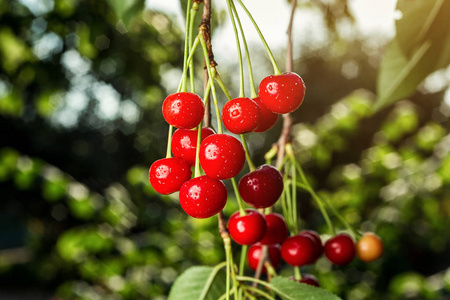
262,187
276,230
222,156
282,93
166,175
315,236
310,280
254,255
268,117
247,229
241,115
203,197
183,110
298,250
184,143
340,249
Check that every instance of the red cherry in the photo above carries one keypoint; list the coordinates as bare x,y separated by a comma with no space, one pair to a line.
168,174
203,197
298,250
310,280
184,143
262,187
282,93
276,230
241,115
183,110
248,229
222,156
268,117
340,249
254,255
318,242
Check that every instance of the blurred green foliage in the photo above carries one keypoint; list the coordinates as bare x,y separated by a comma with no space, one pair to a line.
80,95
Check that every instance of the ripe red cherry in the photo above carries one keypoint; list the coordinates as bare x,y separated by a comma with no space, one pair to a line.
248,229
166,175
203,197
282,93
183,110
298,250
276,230
184,143
268,117
262,187
310,280
222,156
254,255
318,242
241,115
340,249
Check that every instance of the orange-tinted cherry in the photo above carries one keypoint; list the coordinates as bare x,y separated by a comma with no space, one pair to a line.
166,175
276,230
203,197
268,117
282,93
183,110
369,247
340,249
184,143
298,250
247,229
241,115
254,255
262,187
222,156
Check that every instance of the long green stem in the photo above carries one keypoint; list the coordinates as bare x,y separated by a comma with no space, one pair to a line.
253,92
342,219
238,197
169,142
276,70
251,165
244,249
189,61
259,292
238,45
211,278
193,13
222,86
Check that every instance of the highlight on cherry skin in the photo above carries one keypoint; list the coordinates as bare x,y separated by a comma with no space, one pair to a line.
203,197
262,187
247,229
340,249
184,143
222,156
254,255
183,110
167,175
282,93
241,115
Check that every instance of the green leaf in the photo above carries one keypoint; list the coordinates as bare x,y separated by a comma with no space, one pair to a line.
205,283
421,46
291,290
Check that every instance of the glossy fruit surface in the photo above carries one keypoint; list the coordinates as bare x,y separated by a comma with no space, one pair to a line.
184,143
222,156
298,250
183,110
318,242
282,93
241,115
310,280
268,117
167,175
262,187
276,230
369,247
340,249
254,255
248,229
203,197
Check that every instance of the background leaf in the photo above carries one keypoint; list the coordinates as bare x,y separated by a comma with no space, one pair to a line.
294,290
192,283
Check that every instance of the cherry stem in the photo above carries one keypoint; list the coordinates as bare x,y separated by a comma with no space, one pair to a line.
244,250
238,197
260,292
297,274
189,61
186,47
250,163
193,13
276,70
238,45
253,93
211,278
169,142
222,86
